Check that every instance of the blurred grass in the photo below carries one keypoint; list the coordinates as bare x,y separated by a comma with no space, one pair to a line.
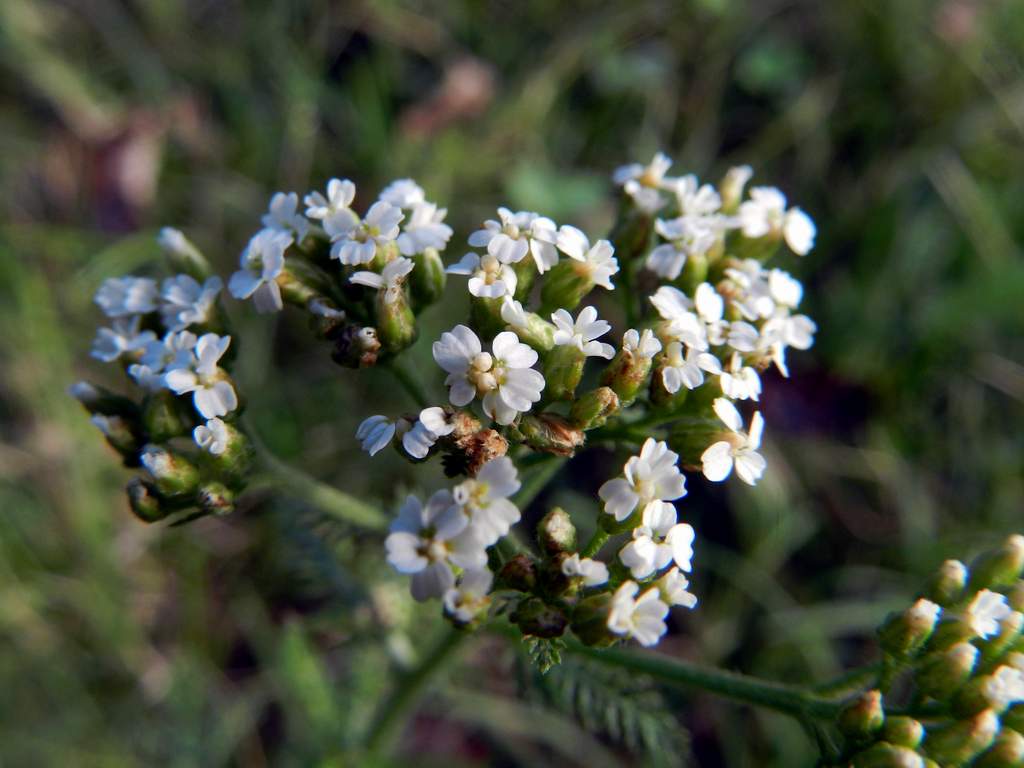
247,641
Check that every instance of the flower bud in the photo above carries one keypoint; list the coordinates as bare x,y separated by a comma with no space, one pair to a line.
356,347
732,185
999,567
626,375
485,316
993,649
1006,752
215,499
396,324
862,718
592,409
884,755
942,673
301,282
691,436
565,285
519,574
183,254
325,318
556,533
427,279
96,399
946,586
173,475
1015,596
531,328
535,617
549,433
902,731
145,501
121,435
632,232
164,417
235,461
949,632
695,272
1014,718
526,273
590,621
963,740
904,633
563,369
471,446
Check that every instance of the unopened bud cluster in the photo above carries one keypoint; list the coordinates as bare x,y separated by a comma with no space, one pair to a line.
951,692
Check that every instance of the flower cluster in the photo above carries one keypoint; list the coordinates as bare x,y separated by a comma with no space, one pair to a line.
532,369
169,338
951,687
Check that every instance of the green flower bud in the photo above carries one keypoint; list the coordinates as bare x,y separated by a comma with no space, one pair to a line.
549,433
519,574
975,697
862,718
999,567
485,316
164,417
590,621
1006,752
565,285
356,347
172,474
660,396
946,586
904,633
530,327
556,533
121,435
942,673
427,279
563,369
902,731
592,409
145,501
949,632
526,273
731,187
613,527
301,282
215,499
535,617
695,272
96,399
235,461
963,740
1014,718
632,232
183,254
883,755
396,324
691,436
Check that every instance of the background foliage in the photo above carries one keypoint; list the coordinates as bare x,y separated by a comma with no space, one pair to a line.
250,640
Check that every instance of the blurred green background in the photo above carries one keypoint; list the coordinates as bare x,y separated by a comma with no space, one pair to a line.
253,640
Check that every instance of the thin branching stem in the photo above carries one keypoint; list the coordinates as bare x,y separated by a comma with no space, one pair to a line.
409,383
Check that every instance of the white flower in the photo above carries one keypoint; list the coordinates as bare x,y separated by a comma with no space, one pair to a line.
795,331
679,371
375,433
390,279
598,261
642,183
174,350
743,337
765,212
683,324
403,193
592,572
1004,687
643,346
739,449
650,477
262,261
425,228
512,312
147,378
283,215
986,611
484,499
378,228
658,541
185,301
212,393
432,424
469,599
504,380
673,587
784,288
695,199
751,292
641,618
123,337
212,436
739,381
582,332
334,211
488,277
121,296
687,236
426,540
516,235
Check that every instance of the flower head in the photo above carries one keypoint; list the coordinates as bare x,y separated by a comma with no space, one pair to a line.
658,541
674,589
643,182
403,193
334,211
485,499
212,392
651,477
985,612
122,338
765,213
679,371
283,216
391,278
185,302
469,599
212,436
640,618
488,277
378,228
425,228
641,345
686,236
598,262
582,332
516,235
739,381
123,296
738,449
590,572
375,433
432,424
262,261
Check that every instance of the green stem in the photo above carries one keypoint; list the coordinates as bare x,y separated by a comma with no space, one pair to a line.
409,383
396,709
749,690
855,679
596,542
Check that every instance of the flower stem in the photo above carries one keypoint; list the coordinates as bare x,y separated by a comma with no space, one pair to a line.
396,709
750,690
409,383
596,542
